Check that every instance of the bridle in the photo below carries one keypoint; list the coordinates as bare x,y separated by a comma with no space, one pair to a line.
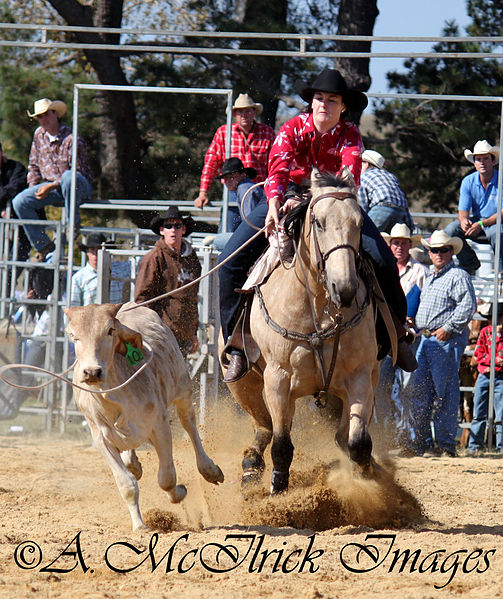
321,258
336,326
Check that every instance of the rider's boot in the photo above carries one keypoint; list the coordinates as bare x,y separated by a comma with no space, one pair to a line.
238,366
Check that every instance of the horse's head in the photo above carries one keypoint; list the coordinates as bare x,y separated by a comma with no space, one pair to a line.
335,226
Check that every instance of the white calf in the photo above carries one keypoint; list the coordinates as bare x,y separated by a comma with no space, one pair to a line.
122,420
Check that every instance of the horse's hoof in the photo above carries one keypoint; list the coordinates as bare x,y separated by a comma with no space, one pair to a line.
370,470
279,482
251,477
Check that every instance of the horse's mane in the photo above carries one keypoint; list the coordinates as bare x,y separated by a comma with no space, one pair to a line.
295,218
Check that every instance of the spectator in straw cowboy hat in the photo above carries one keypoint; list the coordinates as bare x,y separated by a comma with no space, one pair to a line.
251,142
394,391
478,204
49,174
172,263
380,194
446,307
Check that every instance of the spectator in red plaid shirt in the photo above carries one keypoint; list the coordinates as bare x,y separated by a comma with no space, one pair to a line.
250,142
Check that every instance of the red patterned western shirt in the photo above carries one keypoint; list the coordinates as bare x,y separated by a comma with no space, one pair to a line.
252,149
482,352
49,159
293,155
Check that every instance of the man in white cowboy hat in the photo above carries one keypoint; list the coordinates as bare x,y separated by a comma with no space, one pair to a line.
169,265
394,391
49,174
446,307
380,194
478,204
251,142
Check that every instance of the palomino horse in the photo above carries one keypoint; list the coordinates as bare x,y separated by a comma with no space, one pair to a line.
304,320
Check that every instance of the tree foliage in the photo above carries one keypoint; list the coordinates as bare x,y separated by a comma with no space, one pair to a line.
153,144
424,141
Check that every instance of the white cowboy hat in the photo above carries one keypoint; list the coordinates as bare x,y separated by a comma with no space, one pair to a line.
43,105
401,231
440,239
245,101
483,147
373,157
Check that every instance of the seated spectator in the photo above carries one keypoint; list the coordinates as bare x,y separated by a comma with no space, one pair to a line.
478,205
251,142
380,194
482,356
238,181
49,172
172,263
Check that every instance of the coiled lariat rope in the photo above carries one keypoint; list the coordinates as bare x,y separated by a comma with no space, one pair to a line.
68,381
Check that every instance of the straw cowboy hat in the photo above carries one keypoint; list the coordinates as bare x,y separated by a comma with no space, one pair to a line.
374,158
440,239
401,231
245,101
331,81
234,165
172,213
483,147
43,105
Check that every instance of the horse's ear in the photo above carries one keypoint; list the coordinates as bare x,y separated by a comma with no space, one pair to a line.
315,177
347,177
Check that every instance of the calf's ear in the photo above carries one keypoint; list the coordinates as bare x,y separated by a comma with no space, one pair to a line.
124,334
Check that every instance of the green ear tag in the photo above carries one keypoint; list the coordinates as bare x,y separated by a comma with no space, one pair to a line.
133,354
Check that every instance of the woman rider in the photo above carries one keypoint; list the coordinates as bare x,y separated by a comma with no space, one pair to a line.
325,139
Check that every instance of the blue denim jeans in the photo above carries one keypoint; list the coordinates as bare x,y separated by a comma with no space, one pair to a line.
25,205
385,217
481,410
436,391
467,257
392,407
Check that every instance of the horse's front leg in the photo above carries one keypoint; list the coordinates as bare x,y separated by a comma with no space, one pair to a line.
360,404
281,408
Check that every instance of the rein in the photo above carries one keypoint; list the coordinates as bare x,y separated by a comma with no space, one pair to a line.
335,329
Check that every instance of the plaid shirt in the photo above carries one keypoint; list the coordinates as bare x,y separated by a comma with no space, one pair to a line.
252,149
293,155
447,300
85,284
50,159
379,186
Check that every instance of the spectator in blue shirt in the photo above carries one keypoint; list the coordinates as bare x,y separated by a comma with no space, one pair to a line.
380,194
478,204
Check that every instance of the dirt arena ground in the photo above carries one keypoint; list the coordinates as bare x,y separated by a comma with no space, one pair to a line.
427,527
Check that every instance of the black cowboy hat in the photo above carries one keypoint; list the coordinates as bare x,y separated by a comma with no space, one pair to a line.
94,240
234,165
172,213
330,80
